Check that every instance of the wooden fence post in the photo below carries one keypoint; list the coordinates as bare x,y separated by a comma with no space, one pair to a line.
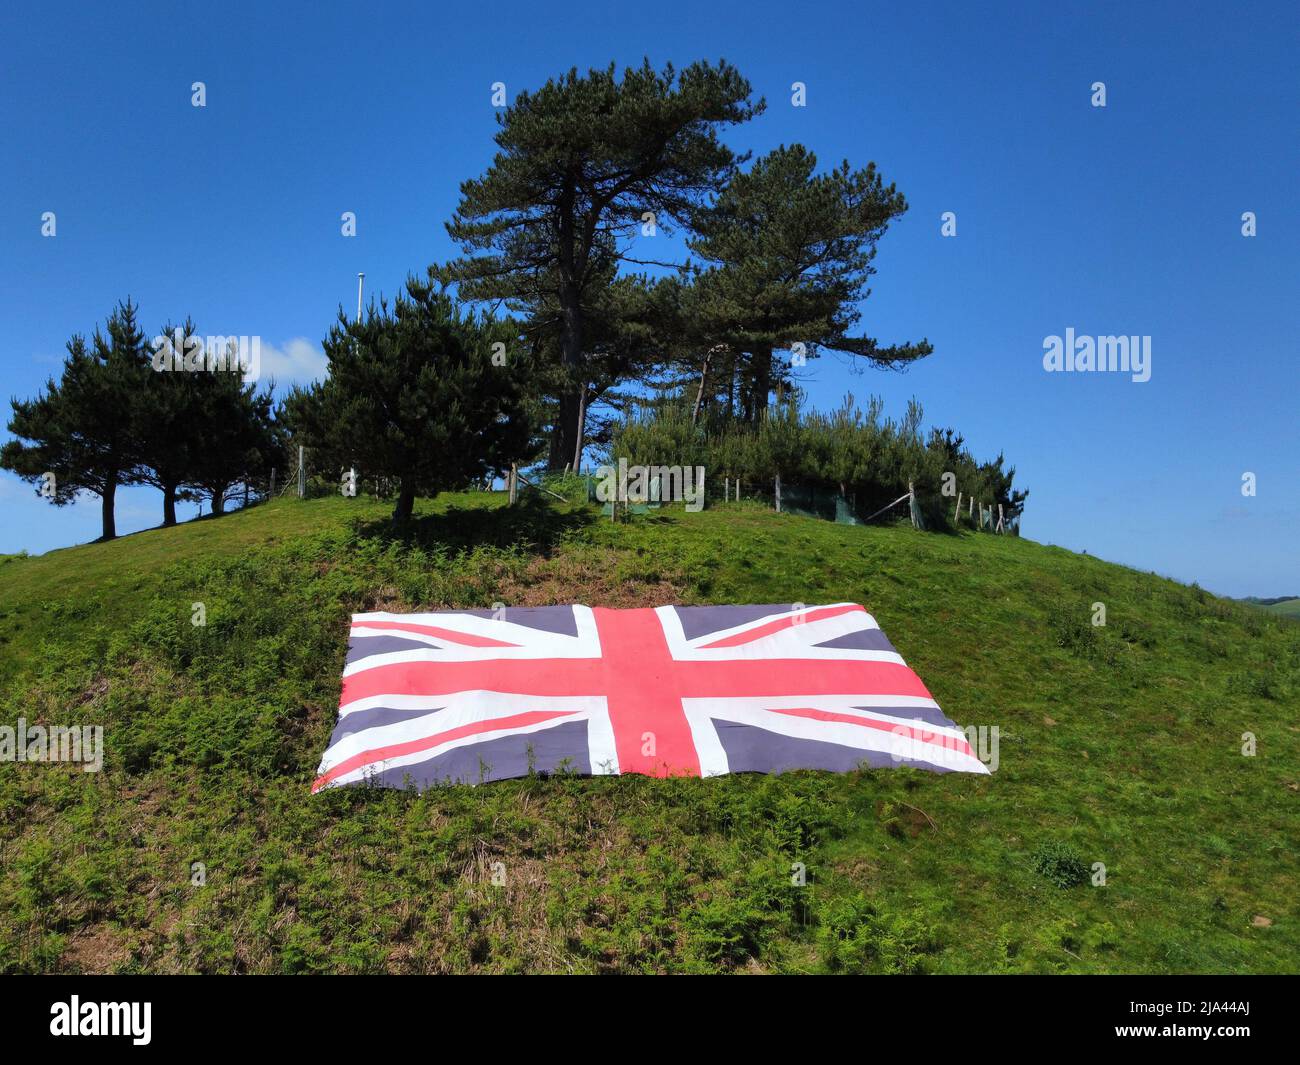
956,514
778,493
512,483
302,472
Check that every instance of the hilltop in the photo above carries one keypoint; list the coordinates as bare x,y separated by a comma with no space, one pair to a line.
1286,605
200,848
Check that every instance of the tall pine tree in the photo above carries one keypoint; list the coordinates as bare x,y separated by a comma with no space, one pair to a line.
84,428
417,394
789,254
581,163
238,439
173,431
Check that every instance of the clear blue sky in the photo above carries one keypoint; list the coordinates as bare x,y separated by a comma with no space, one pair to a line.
1122,220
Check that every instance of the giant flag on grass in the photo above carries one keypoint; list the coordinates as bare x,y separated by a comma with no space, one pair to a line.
473,695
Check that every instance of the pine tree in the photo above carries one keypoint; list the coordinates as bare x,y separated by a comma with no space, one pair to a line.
237,439
581,162
84,428
789,254
414,394
172,430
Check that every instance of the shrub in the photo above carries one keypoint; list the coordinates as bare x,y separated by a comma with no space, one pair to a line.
1059,863
866,458
856,937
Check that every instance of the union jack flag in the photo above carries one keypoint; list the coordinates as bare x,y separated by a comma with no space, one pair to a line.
475,695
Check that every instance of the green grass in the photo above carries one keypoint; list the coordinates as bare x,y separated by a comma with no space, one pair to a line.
1288,608
1120,745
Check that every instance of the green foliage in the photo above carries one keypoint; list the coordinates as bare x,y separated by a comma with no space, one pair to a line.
85,428
580,162
1260,684
1072,628
1059,863
416,394
115,418
213,734
860,455
789,255
855,937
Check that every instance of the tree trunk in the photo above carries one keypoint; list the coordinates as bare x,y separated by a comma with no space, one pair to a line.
582,427
405,501
704,380
762,359
564,434
106,509
169,505
219,499
565,431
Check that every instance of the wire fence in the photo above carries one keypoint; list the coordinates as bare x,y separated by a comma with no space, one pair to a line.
643,494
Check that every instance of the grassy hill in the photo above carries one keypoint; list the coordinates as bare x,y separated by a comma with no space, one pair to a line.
1119,745
1288,608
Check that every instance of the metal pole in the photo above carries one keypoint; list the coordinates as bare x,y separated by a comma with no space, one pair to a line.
361,280
582,425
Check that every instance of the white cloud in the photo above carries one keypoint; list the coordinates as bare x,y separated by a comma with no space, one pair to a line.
295,362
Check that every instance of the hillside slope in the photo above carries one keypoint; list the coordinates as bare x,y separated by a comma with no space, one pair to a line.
1120,745
1288,608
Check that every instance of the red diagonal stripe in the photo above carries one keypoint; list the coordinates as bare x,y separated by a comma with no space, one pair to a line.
750,635
919,734
396,750
466,638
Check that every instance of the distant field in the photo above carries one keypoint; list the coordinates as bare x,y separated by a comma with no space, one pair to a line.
1120,745
1287,608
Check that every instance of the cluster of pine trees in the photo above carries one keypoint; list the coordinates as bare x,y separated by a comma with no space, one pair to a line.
111,420
558,237
861,455
591,171
423,394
